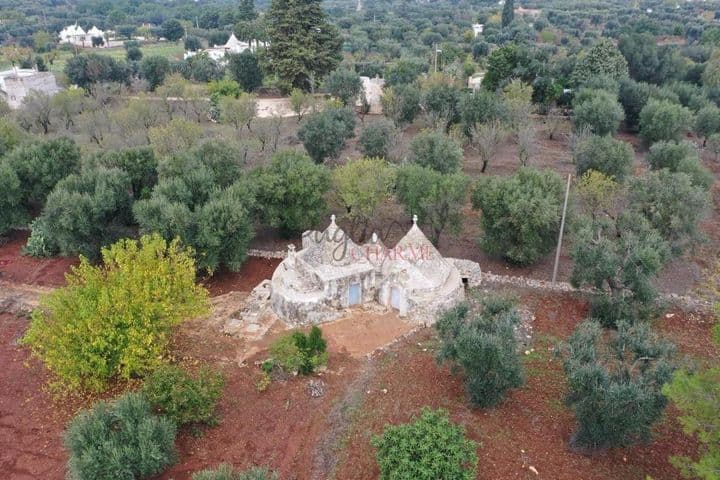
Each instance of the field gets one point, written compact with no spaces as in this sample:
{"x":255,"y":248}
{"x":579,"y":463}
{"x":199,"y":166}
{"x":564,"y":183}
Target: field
{"x":328,"y":437}
{"x":172,"y":51}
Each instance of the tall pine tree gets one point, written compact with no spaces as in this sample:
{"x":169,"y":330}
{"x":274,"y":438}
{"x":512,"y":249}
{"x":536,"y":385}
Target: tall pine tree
{"x":508,"y":13}
{"x":303,"y":47}
{"x":246,"y":11}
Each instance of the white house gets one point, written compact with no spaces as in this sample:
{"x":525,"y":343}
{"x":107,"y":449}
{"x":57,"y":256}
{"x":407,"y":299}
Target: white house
{"x":475,"y":81}
{"x":16,"y":83}
{"x":478,"y":28}
{"x":373,"y":91}
{"x":218,"y":52}
{"x":331,"y":273}
{"x":75,"y":35}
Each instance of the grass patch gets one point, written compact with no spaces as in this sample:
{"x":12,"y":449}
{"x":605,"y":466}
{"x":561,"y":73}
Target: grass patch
{"x":173,"y":51}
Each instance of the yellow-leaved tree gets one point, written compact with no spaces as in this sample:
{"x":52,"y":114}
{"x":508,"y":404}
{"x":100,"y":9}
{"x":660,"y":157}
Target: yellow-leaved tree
{"x":115,"y":319}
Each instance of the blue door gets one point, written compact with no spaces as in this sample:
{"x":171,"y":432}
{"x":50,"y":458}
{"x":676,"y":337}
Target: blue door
{"x":395,"y":296}
{"x":354,"y":294}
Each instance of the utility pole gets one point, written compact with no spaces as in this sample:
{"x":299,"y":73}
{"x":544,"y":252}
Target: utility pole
{"x":562,"y":227}
{"x":435,"y":60}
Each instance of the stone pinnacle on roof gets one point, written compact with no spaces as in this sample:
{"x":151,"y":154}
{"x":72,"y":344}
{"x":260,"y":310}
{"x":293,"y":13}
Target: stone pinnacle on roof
{"x":415,"y":220}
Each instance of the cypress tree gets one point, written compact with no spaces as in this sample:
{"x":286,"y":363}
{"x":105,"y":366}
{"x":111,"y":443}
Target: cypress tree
{"x":508,"y":13}
{"x":303,"y":47}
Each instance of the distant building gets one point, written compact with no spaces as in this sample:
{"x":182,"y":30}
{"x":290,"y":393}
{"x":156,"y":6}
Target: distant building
{"x":17,"y":83}
{"x":218,"y":52}
{"x":528,"y":12}
{"x":475,"y":81}
{"x":373,"y":90}
{"x":75,"y":35}
{"x":477,"y":28}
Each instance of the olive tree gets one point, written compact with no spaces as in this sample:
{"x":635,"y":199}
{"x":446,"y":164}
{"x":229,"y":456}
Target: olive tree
{"x":434,"y":149}
{"x":663,"y":120}
{"x":362,"y":185}
{"x":238,"y":112}
{"x":481,"y":345}
{"x":680,"y":157}
{"x":376,"y":138}
{"x":40,"y":165}
{"x":672,"y":205}
{"x":291,"y":191}
{"x":401,"y":103}
{"x":707,"y":122}
{"x":486,"y":140}
{"x":324,"y":133}
{"x":345,"y":85}
{"x":604,"y":154}
{"x":615,"y":383}
{"x":520,"y":213}
{"x":436,"y":198}
{"x":11,"y":208}
{"x":620,"y":255}
{"x":84,"y":213}
{"x":600,"y":113}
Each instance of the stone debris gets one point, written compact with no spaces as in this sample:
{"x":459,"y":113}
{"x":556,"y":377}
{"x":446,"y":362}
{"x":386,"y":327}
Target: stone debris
{"x":524,"y":330}
{"x":316,"y":388}
{"x":20,"y":299}
{"x":251,"y":321}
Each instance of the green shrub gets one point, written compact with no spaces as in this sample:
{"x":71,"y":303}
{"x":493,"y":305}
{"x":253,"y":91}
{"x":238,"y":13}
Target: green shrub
{"x":324,"y":133}
{"x":436,"y":150}
{"x":615,"y":383}
{"x":376,"y":137}
{"x":300,"y":353}
{"x":116,"y":319}
{"x":600,"y":113}
{"x":481,"y":346}
{"x":520,"y":214}
{"x":604,"y":154}
{"x":86,"y":212}
{"x":291,"y":191}
{"x":226,"y":472}
{"x":175,"y":393}
{"x":663,"y":120}
{"x":122,"y":440}
{"x":429,"y":448}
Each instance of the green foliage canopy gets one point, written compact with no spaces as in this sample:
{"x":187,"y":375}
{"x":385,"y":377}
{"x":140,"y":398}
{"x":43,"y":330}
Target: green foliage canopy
{"x":116,"y":319}
{"x":482,"y":347}
{"x":429,"y":448}
{"x":520,"y":213}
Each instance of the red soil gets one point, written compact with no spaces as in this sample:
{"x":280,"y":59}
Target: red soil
{"x":252,"y":272}
{"x":19,"y":268}
{"x":301,"y":437}
{"x":30,"y":425}
{"x":531,"y":428}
